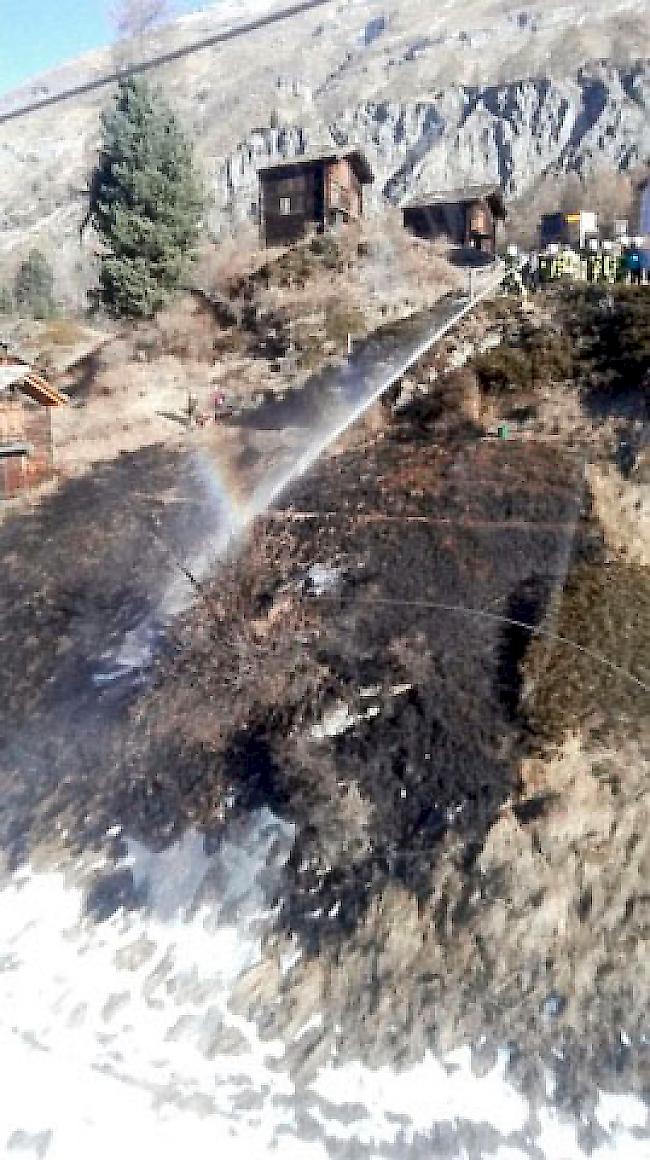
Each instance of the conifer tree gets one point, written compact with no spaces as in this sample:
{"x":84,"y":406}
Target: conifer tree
{"x":34,"y":285}
{"x":6,"y":300}
{"x":145,"y":202}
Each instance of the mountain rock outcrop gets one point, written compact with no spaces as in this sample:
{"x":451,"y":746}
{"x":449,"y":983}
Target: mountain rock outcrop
{"x":514,"y":134}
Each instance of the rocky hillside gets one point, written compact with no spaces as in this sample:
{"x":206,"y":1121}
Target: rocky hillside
{"x":517,"y":133}
{"x":437,"y":94}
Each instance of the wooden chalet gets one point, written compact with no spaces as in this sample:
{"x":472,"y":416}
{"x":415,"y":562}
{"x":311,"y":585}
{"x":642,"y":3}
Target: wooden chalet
{"x":26,"y":401}
{"x":311,"y":194}
{"x":468,"y":217}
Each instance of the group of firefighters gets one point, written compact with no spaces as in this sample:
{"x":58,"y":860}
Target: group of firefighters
{"x":557,"y":263}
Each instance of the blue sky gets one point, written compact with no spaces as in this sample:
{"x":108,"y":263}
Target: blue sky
{"x":36,"y":35}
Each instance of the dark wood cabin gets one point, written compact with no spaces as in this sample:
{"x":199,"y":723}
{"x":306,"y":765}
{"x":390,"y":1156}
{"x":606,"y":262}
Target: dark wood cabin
{"x":311,"y":194}
{"x":468,"y":218}
{"x":26,"y":452}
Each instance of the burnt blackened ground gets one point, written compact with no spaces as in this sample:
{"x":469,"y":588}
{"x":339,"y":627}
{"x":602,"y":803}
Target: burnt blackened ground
{"x":243,"y":678}
{"x":440,"y":757}
{"x":424,"y":906}
{"x":81,"y":571}
{"x":84,"y":567}
{"x":424,"y":542}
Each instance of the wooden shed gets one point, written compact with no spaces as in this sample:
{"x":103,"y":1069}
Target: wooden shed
{"x":26,"y":453}
{"x":465,"y":217}
{"x":311,"y":193}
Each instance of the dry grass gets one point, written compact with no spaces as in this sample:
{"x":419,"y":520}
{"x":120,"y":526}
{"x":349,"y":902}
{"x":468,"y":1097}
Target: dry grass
{"x":343,"y":321}
{"x":229,"y":259}
{"x":402,"y":272}
{"x":605,"y":611}
{"x":623,"y":509}
{"x":254,"y":307}
{"x":187,"y":330}
{"x":62,"y":332}
{"x":131,"y":405}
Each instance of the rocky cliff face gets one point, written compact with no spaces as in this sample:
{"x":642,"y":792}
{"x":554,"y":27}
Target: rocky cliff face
{"x":514,"y":134}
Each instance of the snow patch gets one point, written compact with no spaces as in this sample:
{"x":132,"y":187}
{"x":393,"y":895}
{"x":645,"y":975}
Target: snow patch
{"x":427,"y":1094}
{"x":125,"y":1037}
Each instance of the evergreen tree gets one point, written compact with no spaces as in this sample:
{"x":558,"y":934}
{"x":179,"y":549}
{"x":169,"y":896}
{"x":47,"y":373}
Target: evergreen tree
{"x":6,"y":300}
{"x":34,"y":285}
{"x":145,"y":202}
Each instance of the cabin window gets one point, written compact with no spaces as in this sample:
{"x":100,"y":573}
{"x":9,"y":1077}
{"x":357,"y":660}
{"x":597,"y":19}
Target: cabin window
{"x":285,"y":206}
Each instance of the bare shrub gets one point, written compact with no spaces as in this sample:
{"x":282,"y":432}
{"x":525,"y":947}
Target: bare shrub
{"x":62,"y":332}
{"x":186,"y":330}
{"x":605,"y":611}
{"x":134,"y":18}
{"x":342,"y":321}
